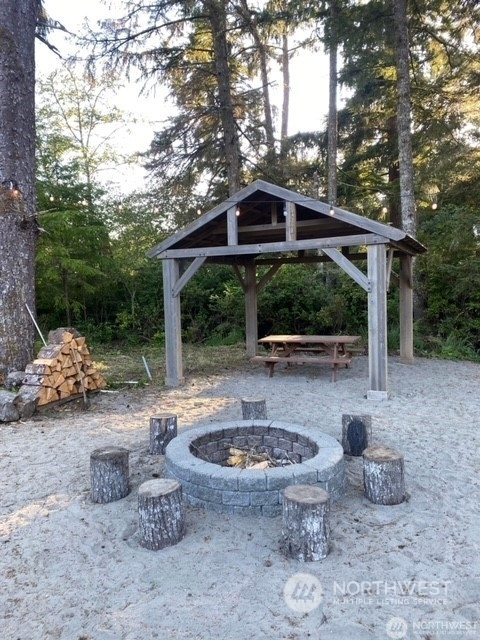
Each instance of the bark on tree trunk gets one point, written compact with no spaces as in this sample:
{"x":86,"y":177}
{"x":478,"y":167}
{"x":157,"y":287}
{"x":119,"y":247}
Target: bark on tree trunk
{"x":163,"y":428}
{"x":286,"y":91}
{"x":251,"y":20}
{"x":160,"y":513}
{"x":254,"y":408}
{"x":305,"y":523}
{"x":109,"y":474}
{"x":332,"y":107}
{"x":383,"y":475}
{"x":18,"y":228}
{"x":218,"y":22}
{"x":404,"y":118}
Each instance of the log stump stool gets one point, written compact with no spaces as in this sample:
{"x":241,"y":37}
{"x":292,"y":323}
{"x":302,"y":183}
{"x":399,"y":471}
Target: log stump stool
{"x":163,"y":428}
{"x":383,"y":475}
{"x":109,"y":474}
{"x":356,"y":434}
{"x":160,"y":513}
{"x":254,"y":409}
{"x":305,"y":522}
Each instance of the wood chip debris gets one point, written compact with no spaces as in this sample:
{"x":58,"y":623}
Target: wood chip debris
{"x":251,"y":458}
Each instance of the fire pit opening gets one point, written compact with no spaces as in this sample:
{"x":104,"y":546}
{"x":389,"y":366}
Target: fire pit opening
{"x":199,"y":459}
{"x":253,"y":447}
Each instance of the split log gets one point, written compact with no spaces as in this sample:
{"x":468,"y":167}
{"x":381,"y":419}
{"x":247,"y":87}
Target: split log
{"x":109,"y":474}
{"x":254,"y":408}
{"x":26,"y":402}
{"x":8,"y":410}
{"x":38,"y":368}
{"x":62,"y":335}
{"x":161,"y":513}
{"x":383,"y":475}
{"x":305,"y":523}
{"x":14,"y":379}
{"x":356,"y":434}
{"x":163,"y":428}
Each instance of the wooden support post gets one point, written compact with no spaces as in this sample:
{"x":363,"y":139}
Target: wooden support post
{"x":173,"y":325}
{"x":254,"y":408}
{"x":305,"y":522}
{"x":232,"y":226}
{"x":109,"y":474}
{"x":383,"y":475}
{"x":290,"y":221}
{"x":161,"y":513}
{"x":163,"y":428}
{"x":377,"y":323}
{"x":251,"y":321}
{"x":406,"y":309}
{"x":356,"y":434}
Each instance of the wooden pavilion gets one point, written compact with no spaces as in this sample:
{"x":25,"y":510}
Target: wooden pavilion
{"x":264,"y":224}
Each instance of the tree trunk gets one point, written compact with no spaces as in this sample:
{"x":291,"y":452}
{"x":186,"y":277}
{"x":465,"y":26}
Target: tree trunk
{"x":404,"y":118}
{"x":332,"y":107}
{"x":218,"y":22}
{"x":252,"y":23}
{"x":286,"y":89}
{"x":18,"y":228}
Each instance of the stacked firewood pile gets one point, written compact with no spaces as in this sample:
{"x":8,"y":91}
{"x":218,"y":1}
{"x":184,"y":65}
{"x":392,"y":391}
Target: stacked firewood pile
{"x":253,"y":459}
{"x":62,"y":370}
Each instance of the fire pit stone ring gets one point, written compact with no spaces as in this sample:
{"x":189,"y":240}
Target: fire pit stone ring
{"x":197,"y":458}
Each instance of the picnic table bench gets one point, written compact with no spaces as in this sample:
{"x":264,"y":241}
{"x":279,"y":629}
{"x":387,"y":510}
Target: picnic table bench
{"x":308,"y":349}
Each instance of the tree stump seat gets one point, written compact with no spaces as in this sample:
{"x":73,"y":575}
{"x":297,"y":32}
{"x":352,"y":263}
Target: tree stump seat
{"x":383,"y":475}
{"x":356,"y":433}
{"x":305,"y":523}
{"x":109,"y":474}
{"x":161,"y":513}
{"x":254,"y":408}
{"x":163,"y":428}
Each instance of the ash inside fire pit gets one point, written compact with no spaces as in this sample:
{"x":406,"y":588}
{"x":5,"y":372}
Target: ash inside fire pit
{"x":198,"y":458}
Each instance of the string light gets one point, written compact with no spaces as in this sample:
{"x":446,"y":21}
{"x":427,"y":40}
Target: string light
{"x":434,"y":206}
{"x":332,"y":210}
{"x":237,"y":212}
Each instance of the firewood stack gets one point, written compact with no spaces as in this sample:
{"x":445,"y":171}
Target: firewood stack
{"x":63,"y":369}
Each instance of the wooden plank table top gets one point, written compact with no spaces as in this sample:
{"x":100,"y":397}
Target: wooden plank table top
{"x":310,"y":339}
{"x":308,"y":349}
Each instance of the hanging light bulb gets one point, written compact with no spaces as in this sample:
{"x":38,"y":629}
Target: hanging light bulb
{"x":434,"y":206}
{"x":332,"y":210}
{"x":237,"y":212}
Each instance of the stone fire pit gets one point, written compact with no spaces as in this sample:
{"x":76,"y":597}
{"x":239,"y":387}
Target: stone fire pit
{"x":197,"y":459}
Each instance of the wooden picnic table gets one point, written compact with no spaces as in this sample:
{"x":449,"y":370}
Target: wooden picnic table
{"x":305,"y":349}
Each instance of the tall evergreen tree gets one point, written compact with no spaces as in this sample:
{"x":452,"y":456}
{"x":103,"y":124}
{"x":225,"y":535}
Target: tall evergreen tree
{"x":18,"y":228}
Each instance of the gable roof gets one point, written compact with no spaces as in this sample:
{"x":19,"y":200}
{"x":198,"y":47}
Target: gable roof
{"x":261,"y":227}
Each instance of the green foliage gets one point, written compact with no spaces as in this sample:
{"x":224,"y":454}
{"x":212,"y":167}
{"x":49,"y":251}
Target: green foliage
{"x":450,"y":277}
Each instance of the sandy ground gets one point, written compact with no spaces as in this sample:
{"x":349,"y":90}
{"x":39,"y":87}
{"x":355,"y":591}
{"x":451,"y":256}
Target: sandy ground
{"x":75,"y":570}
